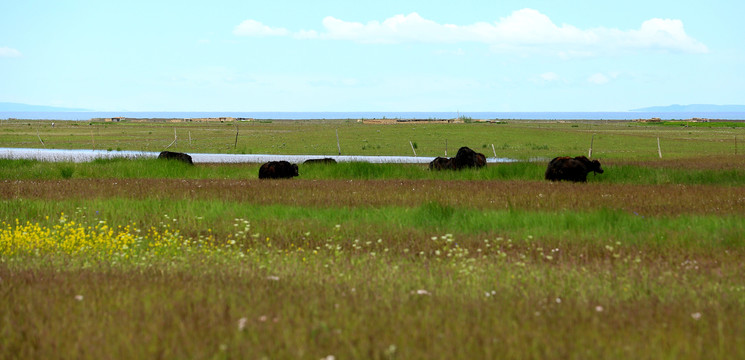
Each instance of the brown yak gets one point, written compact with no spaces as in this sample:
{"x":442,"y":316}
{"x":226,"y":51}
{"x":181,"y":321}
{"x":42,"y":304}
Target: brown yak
{"x":442,"y":163}
{"x":170,"y":155}
{"x":465,"y":158}
{"x":277,"y":170}
{"x":572,"y":169}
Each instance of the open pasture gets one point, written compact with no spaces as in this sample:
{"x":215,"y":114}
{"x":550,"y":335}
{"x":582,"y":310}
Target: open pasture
{"x":518,"y":139}
{"x":145,"y":259}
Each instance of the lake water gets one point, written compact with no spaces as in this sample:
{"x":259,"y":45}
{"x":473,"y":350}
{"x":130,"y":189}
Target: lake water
{"x":57,"y":155}
{"x":623,"y":115}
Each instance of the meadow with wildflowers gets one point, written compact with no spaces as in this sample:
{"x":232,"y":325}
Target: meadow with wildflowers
{"x":644,"y":261}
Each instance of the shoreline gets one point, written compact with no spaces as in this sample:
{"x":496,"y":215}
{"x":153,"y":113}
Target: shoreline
{"x":372,"y":121}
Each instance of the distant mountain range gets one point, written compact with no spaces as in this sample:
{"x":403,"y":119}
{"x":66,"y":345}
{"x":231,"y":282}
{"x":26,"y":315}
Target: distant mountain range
{"x":694,"y":108}
{"x":7,"y":106}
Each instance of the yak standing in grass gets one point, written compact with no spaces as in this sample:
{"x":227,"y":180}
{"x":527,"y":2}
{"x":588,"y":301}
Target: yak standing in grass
{"x":278,"y":170}
{"x":480,"y":160}
{"x":170,"y":155}
{"x":442,"y":163}
{"x":572,"y":169}
{"x":467,"y":158}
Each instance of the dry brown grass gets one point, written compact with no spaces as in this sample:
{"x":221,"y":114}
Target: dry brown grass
{"x":485,"y":195}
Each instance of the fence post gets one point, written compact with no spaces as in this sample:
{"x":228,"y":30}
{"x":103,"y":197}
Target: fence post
{"x":338,"y":146}
{"x":493,"y":150}
{"x":174,"y":139}
{"x":659,"y":149}
{"x":592,"y":141}
{"x":235,"y":146}
{"x":412,"y":147}
{"x":37,"y":135}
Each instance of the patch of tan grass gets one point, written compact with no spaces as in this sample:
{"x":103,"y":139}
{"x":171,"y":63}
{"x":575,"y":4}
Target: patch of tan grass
{"x":651,"y":200}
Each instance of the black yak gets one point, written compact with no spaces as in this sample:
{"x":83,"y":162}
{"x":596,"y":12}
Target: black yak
{"x":442,"y":163}
{"x":467,"y":158}
{"x":170,"y":155}
{"x":278,"y":170}
{"x":572,"y":169}
{"x":480,"y":160}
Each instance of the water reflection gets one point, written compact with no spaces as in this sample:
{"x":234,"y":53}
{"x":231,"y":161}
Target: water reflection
{"x":58,"y":155}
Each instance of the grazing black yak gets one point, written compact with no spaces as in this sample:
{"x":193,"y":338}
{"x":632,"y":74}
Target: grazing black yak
{"x":170,"y":155}
{"x":467,"y":158}
{"x":278,"y":170}
{"x":442,"y":163}
{"x":480,"y":160}
{"x":572,"y":169}
{"x":320,"y":161}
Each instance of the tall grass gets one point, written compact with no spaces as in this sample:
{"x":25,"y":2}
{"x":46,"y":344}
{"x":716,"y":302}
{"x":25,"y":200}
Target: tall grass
{"x":361,"y":301}
{"x":575,"y":228}
{"x":153,"y":168}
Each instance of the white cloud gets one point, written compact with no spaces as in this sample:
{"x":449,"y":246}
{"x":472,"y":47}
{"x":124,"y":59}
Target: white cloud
{"x":601,"y":78}
{"x":397,"y":29}
{"x":9,"y":52}
{"x":523,"y":30}
{"x":255,"y":28}
{"x":306,"y":34}
{"x":665,"y":34}
{"x":598,"y":79}
{"x":549,"y":76}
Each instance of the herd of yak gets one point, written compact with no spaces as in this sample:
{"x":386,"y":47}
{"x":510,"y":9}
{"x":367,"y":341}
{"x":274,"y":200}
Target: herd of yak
{"x":560,"y":168}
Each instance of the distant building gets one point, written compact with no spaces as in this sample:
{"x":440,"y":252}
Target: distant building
{"x":412,"y":121}
{"x":114,"y":119}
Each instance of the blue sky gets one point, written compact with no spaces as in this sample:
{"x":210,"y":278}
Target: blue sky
{"x":371,"y":55}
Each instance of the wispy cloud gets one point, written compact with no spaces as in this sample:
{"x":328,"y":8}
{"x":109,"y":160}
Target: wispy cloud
{"x":9,"y":52}
{"x":601,"y":78}
{"x":549,"y":76}
{"x":526,"y":29}
{"x":255,"y":28}
{"x":598,"y":79}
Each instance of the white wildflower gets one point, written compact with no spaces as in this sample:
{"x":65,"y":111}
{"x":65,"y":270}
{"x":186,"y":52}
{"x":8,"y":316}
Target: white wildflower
{"x":242,"y":323}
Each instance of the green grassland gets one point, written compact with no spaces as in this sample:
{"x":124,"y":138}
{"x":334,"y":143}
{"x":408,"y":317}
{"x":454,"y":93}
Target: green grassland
{"x":709,"y":171}
{"x":521,"y":140}
{"x":155,"y":259}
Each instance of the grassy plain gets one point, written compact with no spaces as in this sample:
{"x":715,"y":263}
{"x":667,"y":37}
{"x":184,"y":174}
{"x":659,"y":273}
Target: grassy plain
{"x":521,"y":140}
{"x":141,"y":259}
